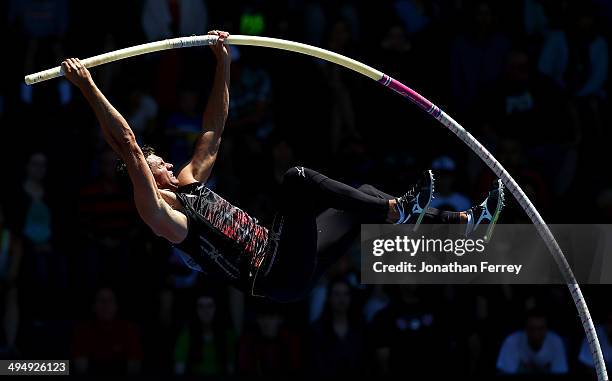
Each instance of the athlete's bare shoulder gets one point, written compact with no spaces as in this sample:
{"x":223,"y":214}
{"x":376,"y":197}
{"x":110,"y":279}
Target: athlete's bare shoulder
{"x":171,"y":199}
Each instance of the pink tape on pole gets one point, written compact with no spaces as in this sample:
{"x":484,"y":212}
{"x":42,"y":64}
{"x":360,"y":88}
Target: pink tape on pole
{"x":412,"y":95}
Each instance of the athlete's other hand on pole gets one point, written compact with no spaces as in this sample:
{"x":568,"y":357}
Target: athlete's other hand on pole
{"x":76,"y":72}
{"x":221,"y":51}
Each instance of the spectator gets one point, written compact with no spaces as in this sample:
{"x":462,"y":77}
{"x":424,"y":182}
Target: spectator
{"x":271,"y":349}
{"x":251,"y":97}
{"x":404,"y":335}
{"x":397,"y":53}
{"x":528,"y":101}
{"x":534,"y":350}
{"x":206,"y":347}
{"x":181,"y":277}
{"x":377,"y":301}
{"x":107,"y":219}
{"x":38,"y":221}
{"x":172,"y":18}
{"x":577,"y":58}
{"x":343,"y":124}
{"x":338,"y":342}
{"x":141,"y":112}
{"x":250,"y":123}
{"x":43,"y":24}
{"x":446,"y":197}
{"x":511,"y":153}
{"x":10,"y":258}
{"x":522,"y":104}
{"x":183,"y":128}
{"x":604,"y":334}
{"x":477,"y":55}
{"x":416,"y":15}
{"x":107,"y":345}
{"x":166,"y":19}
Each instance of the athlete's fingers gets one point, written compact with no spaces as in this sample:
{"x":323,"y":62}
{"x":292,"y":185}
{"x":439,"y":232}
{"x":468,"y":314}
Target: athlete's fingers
{"x":65,"y":67}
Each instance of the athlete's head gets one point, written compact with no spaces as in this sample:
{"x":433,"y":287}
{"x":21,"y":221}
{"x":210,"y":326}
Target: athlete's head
{"x":162,"y":171}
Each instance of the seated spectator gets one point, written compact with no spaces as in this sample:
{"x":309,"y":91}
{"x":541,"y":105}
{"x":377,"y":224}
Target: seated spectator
{"x":183,"y":127}
{"x":528,"y":102}
{"x":604,"y":334}
{"x":510,"y":152}
{"x":270,"y":349}
{"x":338,"y":342}
{"x":576,"y":58}
{"x":251,"y":97}
{"x":38,"y":221}
{"x":404,"y":334}
{"x":478,"y":55}
{"x":106,"y":345}
{"x":416,"y":15}
{"x":522,"y":105}
{"x":206,"y":347}
{"x":141,"y":112}
{"x":107,"y":219}
{"x":43,"y":24}
{"x":446,"y":197}
{"x":533,"y":350}
{"x":166,"y":19}
{"x":10,"y":258}
{"x":376,"y":301}
{"x":162,"y":19}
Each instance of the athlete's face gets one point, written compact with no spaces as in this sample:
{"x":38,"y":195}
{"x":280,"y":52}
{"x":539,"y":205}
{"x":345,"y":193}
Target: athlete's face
{"x":162,"y":172}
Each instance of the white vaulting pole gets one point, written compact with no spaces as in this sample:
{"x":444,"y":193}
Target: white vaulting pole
{"x":415,"y":98}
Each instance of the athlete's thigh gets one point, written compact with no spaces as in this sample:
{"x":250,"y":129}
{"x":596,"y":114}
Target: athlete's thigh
{"x":295,"y":259}
{"x":333,"y":225}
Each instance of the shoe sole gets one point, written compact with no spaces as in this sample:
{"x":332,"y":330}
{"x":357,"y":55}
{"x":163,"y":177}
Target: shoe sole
{"x":498,"y":209}
{"x":431,"y":192}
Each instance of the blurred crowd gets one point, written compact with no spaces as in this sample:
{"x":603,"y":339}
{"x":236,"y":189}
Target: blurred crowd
{"x":82,"y":278}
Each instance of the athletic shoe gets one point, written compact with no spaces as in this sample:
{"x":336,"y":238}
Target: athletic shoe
{"x":412,"y":205}
{"x":487,"y":212}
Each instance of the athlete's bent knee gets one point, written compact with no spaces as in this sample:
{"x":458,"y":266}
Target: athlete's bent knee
{"x":294,"y":174}
{"x":367,"y":188}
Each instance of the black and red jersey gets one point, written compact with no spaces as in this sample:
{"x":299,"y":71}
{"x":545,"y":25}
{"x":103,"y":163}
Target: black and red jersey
{"x":222,"y":241}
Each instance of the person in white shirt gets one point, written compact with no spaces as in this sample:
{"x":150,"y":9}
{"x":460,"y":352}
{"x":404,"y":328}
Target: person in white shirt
{"x":535,"y":349}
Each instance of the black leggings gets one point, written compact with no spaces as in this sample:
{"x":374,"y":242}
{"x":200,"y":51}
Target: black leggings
{"x":320,"y":219}
{"x":310,"y":241}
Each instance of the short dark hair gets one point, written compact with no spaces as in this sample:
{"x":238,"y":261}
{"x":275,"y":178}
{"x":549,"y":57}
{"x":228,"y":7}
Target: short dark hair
{"x":122,"y":167}
{"x":536,"y":312}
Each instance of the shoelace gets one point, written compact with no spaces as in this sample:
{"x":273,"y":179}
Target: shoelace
{"x":410,"y":194}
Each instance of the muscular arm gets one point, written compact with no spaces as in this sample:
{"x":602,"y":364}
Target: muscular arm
{"x":215,"y":115}
{"x":155,"y":212}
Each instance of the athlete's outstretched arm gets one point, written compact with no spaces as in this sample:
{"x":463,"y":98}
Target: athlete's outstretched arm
{"x":215,"y":115}
{"x":156,"y":213}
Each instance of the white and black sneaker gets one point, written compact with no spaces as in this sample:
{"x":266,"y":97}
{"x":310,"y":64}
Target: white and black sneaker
{"x":412,"y":205}
{"x":487,"y":213}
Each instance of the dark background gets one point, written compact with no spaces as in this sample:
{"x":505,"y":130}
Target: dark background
{"x":82,"y":278}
